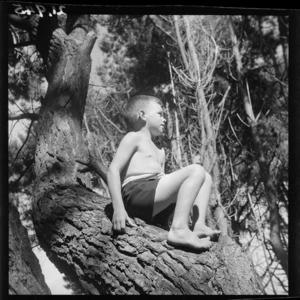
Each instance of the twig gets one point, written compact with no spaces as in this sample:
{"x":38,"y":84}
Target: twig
{"x":109,"y":121}
{"x":234,"y":132}
{"x":185,"y":78}
{"x":15,"y":103}
{"x":222,"y":108}
{"x":152,"y":17}
{"x":242,"y":120}
{"x":12,"y":128}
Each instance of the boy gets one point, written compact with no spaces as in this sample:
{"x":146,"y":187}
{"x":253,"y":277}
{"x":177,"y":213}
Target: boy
{"x":139,"y":187}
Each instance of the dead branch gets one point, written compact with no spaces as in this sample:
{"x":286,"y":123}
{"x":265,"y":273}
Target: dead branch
{"x":110,"y":121}
{"x":31,"y":116}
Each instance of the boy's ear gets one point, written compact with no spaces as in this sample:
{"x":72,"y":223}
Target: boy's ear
{"x":142,"y":115}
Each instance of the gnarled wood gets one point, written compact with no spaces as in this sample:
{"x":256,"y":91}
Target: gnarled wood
{"x":74,"y":226}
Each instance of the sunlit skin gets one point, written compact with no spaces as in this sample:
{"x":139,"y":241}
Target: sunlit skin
{"x":187,"y":187}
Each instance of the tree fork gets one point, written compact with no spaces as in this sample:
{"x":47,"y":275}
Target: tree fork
{"x":74,"y":225}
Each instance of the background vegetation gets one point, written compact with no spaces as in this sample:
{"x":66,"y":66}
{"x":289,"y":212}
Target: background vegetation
{"x":224,"y":82}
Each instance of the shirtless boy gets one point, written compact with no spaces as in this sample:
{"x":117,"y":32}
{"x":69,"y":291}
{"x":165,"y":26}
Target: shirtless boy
{"x":140,"y":188}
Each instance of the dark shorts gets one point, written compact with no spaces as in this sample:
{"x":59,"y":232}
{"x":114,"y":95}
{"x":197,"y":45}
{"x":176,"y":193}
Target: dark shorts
{"x":138,"y":196}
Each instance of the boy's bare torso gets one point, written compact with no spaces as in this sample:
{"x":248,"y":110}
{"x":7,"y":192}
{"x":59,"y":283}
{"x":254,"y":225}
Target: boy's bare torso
{"x":146,"y":159}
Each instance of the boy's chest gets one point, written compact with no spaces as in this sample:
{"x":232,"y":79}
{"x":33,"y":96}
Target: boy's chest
{"x":149,"y":150}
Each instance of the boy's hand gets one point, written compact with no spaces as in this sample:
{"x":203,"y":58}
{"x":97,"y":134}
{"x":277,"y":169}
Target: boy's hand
{"x":119,"y":220}
{"x":130,"y":222}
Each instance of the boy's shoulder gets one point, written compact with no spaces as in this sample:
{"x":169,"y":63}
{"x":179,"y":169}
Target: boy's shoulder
{"x":132,"y":134}
{"x":132,"y":137}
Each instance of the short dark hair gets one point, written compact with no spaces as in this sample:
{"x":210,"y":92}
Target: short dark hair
{"x":135,"y":104}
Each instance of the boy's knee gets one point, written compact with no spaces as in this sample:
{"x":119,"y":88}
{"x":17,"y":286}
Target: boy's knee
{"x":208,"y":178}
{"x":198,"y":171}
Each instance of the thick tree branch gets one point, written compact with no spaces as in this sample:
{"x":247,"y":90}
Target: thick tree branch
{"x":88,"y":43}
{"x":31,"y":116}
{"x":96,"y":166}
{"x":22,"y":23}
{"x":78,"y":233}
{"x":180,"y":43}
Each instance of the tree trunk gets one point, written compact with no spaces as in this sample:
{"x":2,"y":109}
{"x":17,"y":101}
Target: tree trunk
{"x":25,"y":273}
{"x":74,"y":226}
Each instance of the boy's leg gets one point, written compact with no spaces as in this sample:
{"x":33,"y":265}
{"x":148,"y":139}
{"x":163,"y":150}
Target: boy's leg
{"x":181,"y":187}
{"x":169,"y":185}
{"x":200,"y":210}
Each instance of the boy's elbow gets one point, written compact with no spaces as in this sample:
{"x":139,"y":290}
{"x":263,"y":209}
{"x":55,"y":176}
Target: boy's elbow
{"x":112,"y":171}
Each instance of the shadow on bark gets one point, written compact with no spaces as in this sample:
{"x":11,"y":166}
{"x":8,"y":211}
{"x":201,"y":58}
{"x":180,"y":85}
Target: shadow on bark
{"x":74,"y":226}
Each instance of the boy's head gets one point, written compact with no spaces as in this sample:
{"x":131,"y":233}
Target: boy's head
{"x":135,"y":105}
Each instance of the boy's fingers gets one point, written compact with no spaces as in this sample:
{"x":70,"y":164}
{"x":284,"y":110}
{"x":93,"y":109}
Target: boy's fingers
{"x":122,"y":225}
{"x":118,"y":226}
{"x":130,"y":222}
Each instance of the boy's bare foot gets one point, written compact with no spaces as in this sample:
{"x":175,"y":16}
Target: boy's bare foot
{"x":186,"y":238}
{"x":205,"y":231}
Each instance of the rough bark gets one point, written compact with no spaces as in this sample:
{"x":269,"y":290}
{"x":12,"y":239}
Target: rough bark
{"x":67,"y":61}
{"x":73,"y":223}
{"x":59,"y":143}
{"x":74,"y":226}
{"x":25,"y":274}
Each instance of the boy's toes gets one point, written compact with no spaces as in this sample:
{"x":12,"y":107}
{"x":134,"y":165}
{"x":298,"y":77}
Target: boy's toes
{"x":213,"y":234}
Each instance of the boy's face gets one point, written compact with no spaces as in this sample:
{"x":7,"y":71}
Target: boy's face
{"x":155,"y":120}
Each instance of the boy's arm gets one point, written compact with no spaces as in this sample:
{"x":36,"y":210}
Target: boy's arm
{"x":164,"y":161}
{"x":126,"y":148}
